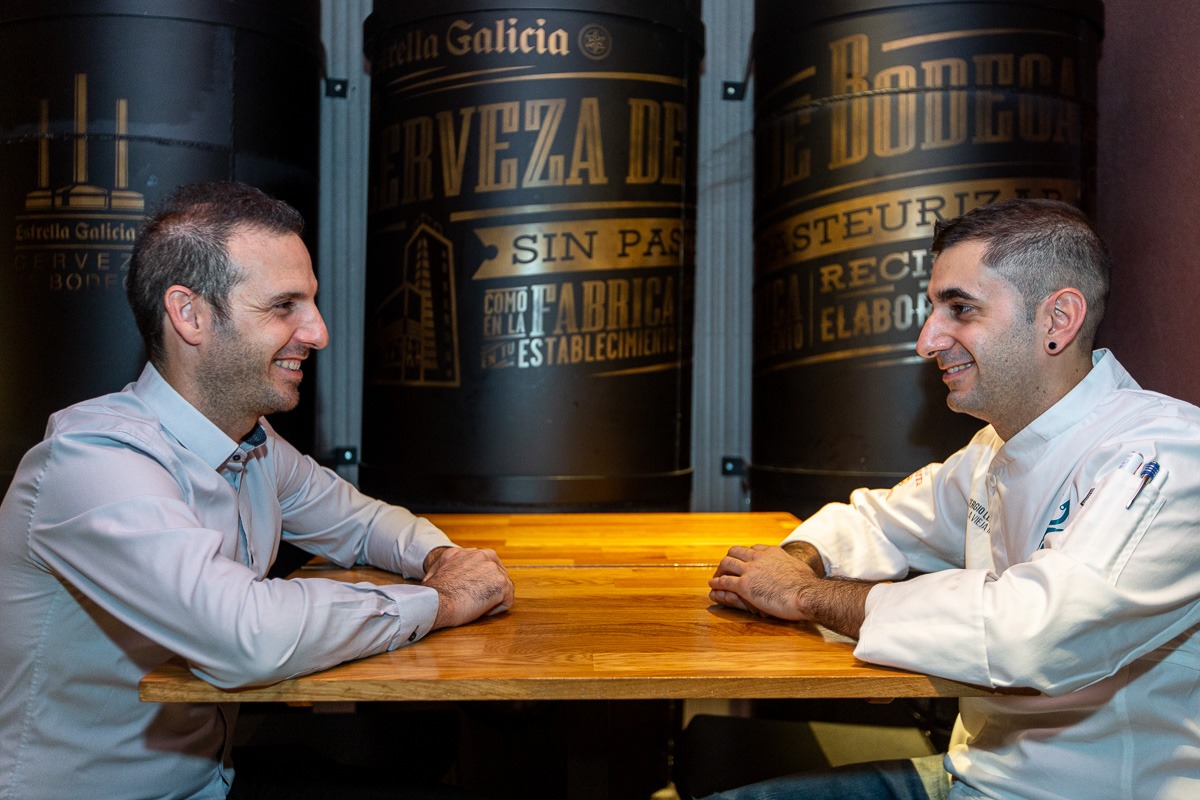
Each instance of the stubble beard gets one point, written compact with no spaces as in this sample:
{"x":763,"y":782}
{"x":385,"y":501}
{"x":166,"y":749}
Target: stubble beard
{"x":238,"y":386}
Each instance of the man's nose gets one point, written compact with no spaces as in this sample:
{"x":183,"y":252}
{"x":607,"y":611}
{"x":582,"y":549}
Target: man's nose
{"x":933,"y":338}
{"x":313,"y":333}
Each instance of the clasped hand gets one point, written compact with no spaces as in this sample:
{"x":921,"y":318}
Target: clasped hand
{"x":763,"y":579}
{"x":470,"y":583}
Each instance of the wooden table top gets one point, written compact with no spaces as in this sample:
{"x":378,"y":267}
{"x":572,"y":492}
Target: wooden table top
{"x":609,"y":632}
{"x":650,"y":539}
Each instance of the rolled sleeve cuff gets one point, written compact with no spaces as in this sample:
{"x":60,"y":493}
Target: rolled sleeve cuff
{"x":849,"y":547}
{"x":904,"y":629}
{"x":416,"y":609}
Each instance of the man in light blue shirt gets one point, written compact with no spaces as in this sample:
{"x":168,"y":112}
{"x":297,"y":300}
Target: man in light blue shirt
{"x":143,"y":525}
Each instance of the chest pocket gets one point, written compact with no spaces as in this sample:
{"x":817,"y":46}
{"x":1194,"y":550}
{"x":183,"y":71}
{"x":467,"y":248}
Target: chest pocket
{"x":1110,"y":525}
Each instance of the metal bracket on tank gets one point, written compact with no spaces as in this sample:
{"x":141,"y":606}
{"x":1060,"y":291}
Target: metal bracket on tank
{"x":340,"y":457}
{"x":336,"y":87}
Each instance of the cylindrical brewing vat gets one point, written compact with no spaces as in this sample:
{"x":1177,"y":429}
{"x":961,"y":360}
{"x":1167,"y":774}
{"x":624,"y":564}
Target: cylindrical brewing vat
{"x":109,"y":106}
{"x":873,"y":120}
{"x":529,"y":253}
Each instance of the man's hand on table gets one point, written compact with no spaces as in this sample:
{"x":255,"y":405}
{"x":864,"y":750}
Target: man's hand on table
{"x":470,"y":584}
{"x":773,"y":582}
{"x":761,"y":579}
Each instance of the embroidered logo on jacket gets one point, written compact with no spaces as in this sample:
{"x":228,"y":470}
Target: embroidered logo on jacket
{"x":1056,"y":524}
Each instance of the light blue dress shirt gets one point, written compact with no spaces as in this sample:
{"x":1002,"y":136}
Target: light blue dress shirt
{"x":137,"y":531}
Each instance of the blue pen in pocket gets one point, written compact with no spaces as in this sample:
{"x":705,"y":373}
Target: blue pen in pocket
{"x":1145,"y":476}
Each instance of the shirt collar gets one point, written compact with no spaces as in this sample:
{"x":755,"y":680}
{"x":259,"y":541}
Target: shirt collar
{"x":1106,"y":376}
{"x":190,"y":428}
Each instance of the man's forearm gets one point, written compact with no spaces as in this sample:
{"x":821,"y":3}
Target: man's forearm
{"x":839,"y":605}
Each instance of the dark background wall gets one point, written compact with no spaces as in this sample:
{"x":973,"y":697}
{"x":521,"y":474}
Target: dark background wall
{"x":1148,"y":186}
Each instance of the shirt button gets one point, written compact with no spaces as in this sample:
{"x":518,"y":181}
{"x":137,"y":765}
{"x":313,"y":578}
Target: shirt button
{"x":237,"y":457}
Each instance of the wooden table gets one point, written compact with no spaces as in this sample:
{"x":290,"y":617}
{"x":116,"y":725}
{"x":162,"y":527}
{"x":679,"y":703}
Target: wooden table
{"x":608,"y":607}
{"x":602,"y":540}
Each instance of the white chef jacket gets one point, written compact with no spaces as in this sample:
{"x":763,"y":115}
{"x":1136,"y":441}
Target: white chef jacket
{"x":1039,"y":576}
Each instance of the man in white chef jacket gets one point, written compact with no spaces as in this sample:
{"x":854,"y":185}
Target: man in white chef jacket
{"x":1058,"y":551}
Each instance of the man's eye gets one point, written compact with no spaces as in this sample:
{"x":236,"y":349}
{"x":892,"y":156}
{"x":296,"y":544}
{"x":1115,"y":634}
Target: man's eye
{"x":959,"y":309}
{"x":285,"y":306}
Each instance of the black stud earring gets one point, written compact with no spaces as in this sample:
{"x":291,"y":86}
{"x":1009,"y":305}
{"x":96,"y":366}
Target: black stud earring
{"x":1053,"y":345}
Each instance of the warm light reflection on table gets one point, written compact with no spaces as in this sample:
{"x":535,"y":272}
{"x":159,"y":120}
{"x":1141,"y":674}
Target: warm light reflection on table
{"x":601,"y":613}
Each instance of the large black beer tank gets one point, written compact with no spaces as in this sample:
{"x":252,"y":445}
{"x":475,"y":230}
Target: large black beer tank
{"x":874,"y":119}
{"x":530,"y":265}
{"x":107,"y":107}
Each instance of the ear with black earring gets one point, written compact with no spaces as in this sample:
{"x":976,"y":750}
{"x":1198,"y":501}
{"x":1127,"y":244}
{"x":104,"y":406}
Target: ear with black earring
{"x":1053,"y":345}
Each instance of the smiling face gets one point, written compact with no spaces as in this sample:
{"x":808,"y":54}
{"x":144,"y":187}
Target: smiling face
{"x":252,"y":363}
{"x":988,"y":350}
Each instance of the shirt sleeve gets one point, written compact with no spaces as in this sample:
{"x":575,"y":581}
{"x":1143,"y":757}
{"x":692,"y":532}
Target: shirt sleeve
{"x":1115,"y":585}
{"x":110,"y":520}
{"x":883,"y":534}
{"x":327,"y":516}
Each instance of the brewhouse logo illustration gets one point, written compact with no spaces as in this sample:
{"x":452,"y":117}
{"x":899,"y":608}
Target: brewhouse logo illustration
{"x":418,"y":322}
{"x":79,"y":236}
{"x":574,"y":197}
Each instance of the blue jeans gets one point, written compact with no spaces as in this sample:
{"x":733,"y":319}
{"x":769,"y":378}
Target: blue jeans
{"x":874,"y":780}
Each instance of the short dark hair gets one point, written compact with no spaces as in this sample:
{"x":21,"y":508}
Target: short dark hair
{"x":1039,"y":246}
{"x":186,"y":243}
